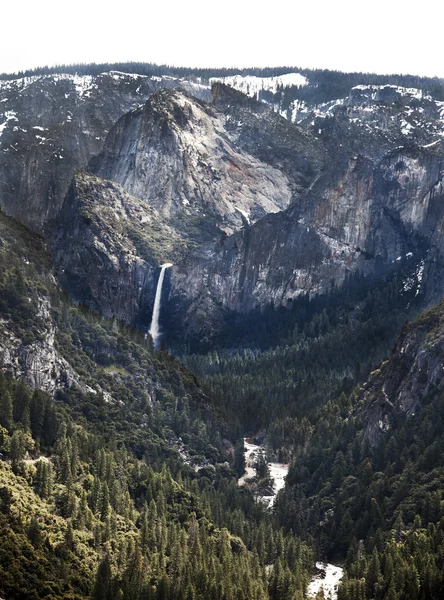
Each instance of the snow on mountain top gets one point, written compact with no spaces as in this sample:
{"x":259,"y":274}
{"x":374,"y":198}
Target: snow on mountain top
{"x":252,"y":85}
{"x":402,"y":91}
{"x":122,"y":75}
{"x":166,"y":78}
{"x":292,"y":79}
{"x":20,"y":83}
{"x":82,"y":83}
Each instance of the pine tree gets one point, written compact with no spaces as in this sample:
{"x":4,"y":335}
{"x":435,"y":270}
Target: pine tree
{"x":103,"y":584}
{"x":144,"y":532}
{"x":69,"y":539}
{"x":43,"y":479}
{"x":37,"y":413}
{"x":6,"y":412}
{"x":105,"y":505}
{"x":17,"y":450}
{"x":261,"y":465}
{"x":34,"y":533}
{"x":163,"y":589}
{"x":21,"y":404}
{"x":239,"y":457}
{"x":373,"y":574}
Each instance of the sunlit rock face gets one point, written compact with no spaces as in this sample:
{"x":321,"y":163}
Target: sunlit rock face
{"x":190,"y":161}
{"x":374,"y":203}
{"x":38,"y":363}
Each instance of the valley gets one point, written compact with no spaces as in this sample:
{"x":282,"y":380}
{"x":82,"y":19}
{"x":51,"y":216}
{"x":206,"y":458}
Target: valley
{"x":221,"y":334}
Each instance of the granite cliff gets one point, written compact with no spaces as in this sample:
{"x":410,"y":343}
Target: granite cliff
{"x":412,"y":376}
{"x":251,"y":208}
{"x":185,"y":165}
{"x":377,"y":200}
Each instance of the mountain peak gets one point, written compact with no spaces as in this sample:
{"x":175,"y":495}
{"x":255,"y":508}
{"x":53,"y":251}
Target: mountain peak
{"x":224,"y":95}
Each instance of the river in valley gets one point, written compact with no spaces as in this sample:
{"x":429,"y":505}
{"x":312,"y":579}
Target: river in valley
{"x":329,"y":575}
{"x":328,"y":578}
{"x":278,"y":471}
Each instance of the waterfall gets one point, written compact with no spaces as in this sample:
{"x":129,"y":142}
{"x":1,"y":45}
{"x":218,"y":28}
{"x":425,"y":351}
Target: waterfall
{"x":154,"y":327}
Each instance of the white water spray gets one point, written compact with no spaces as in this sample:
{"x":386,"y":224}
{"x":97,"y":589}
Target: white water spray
{"x":154,"y":330}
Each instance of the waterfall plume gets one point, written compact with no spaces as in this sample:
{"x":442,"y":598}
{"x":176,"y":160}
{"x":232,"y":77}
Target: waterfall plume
{"x":154,"y":330}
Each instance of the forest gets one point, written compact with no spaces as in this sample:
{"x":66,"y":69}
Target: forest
{"x":273,"y":368}
{"x":100,"y":501}
{"x":96,"y":498}
{"x":380,"y":505}
{"x":377,"y":508}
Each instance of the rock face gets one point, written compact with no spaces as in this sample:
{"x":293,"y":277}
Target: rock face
{"x":38,"y":363}
{"x":270,"y":138}
{"x":386,"y":113}
{"x":414,"y":371}
{"x":374,"y":203}
{"x":28,"y":348}
{"x":107,"y":245}
{"x":196,"y":162}
{"x":51,"y":125}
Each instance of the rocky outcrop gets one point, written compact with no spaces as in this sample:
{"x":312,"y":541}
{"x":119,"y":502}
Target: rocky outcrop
{"x":271,"y":138}
{"x":414,"y":373}
{"x":38,"y":363}
{"x":359,"y":216}
{"x":378,"y":199}
{"x":107,"y":245}
{"x":28,"y":328}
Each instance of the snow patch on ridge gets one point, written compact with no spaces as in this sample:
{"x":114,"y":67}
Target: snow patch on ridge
{"x":252,"y":85}
{"x":402,"y":91}
{"x":10,"y":115}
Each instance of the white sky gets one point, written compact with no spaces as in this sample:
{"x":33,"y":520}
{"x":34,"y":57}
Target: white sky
{"x":384,"y":36}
